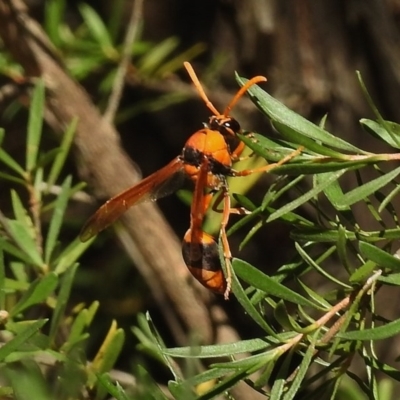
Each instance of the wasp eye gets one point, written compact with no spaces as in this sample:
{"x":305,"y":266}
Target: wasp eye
{"x":232,"y":125}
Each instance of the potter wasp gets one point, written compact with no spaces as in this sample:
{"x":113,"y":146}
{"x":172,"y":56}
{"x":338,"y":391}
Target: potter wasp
{"x":207,"y":160}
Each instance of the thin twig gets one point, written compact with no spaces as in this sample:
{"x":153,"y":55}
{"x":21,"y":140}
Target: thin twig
{"x":131,"y":35}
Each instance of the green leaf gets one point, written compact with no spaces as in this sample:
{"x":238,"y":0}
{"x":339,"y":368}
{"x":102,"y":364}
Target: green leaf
{"x":24,"y":240}
{"x":314,"y":295}
{"x":363,"y":191}
{"x":382,"y":332}
{"x":315,"y":234}
{"x":279,"y":113}
{"x":212,"y":374}
{"x":310,"y":261}
{"x":342,"y":249}
{"x":375,"y":110}
{"x":392,"y":279}
{"x":302,"y":369}
{"x":180,"y":391}
{"x":13,"y":285}
{"x":70,"y":255}
{"x":6,"y":392}
{"x":35,"y":125}
{"x":325,"y":181}
{"x":385,"y":368}
{"x":54,"y":20}
{"x":284,"y":319}
{"x":12,"y":178}
{"x":63,"y":152}
{"x":310,"y":144}
{"x":322,"y":167}
{"x":271,"y":287}
{"x":114,"y":389}
{"x":82,"y":68}
{"x":109,"y":350}
{"x":27,"y":380}
{"x":38,"y":353}
{"x":96,"y":26}
{"x":2,"y":279}
{"x":227,"y":349}
{"x":174,"y":64}
{"x":277,"y":389}
{"x":333,"y":192}
{"x":115,"y":19}
{"x":148,"y":382}
{"x":11,"y":163}
{"x":266,"y":148}
{"x":21,"y":214}
{"x":252,"y":362}
{"x":282,"y":371}
{"x":21,"y":338}
{"x":388,"y":199}
{"x":245,"y":302}
{"x":19,"y":271}
{"x":152,"y":342}
{"x":37,"y":293}
{"x":81,"y":322}
{"x":379,"y":256}
{"x":47,"y":158}
{"x":377,"y":130}
{"x":15,"y":251}
{"x":304,"y":163}
{"x":154,"y":58}
{"x":224,"y":384}
{"x":57,"y":219}
{"x":71,"y":347}
{"x":362,"y":273}
{"x":62,"y":300}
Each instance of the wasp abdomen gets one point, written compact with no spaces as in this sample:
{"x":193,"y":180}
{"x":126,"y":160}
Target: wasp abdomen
{"x":200,"y":253}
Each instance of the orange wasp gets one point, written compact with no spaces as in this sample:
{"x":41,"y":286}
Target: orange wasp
{"x":206,"y":159}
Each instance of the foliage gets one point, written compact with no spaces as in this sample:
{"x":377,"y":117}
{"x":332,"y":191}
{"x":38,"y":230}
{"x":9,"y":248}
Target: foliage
{"x":95,"y":44}
{"x":93,"y":50}
{"x":317,"y":333}
{"x":37,"y":272}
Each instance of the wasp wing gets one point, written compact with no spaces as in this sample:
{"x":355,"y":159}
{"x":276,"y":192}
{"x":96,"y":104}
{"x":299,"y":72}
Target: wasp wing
{"x":162,"y":183}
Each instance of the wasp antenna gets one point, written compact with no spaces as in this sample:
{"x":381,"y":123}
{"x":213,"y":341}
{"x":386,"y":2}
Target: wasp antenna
{"x":242,"y":90}
{"x":199,"y":88}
